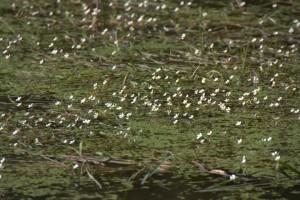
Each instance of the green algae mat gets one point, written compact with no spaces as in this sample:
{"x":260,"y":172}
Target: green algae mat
{"x":149,"y":99}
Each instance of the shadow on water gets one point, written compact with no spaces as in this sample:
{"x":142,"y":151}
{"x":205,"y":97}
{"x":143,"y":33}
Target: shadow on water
{"x":40,"y":179}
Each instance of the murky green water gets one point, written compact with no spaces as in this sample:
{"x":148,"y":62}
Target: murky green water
{"x":153,"y":100}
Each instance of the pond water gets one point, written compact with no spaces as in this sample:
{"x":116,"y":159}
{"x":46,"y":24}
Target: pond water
{"x":149,"y":100}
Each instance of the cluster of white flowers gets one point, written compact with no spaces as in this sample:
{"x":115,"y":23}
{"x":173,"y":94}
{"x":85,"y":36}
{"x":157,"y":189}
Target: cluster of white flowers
{"x":1,"y":165}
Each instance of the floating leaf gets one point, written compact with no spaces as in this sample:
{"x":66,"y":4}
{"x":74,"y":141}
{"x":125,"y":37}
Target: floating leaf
{"x":284,"y":166}
{"x":80,"y":148}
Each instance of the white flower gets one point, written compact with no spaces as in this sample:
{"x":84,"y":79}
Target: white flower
{"x":188,"y":105}
{"x":105,"y":30}
{"x":232,"y":177}
{"x":121,"y":115}
{"x":87,"y":121}
{"x":54,"y":51}
{"x":274,"y":153}
{"x":95,"y":85}
{"x":16,"y":131}
{"x":75,"y":166}
{"x":183,"y":36}
{"x":238,"y":123}
{"x":244,"y":160}
{"x":82,"y":100}
{"x":37,"y":142}
{"x":199,"y":136}
{"x":133,"y":100}
{"x":119,"y":108}
{"x":19,"y":98}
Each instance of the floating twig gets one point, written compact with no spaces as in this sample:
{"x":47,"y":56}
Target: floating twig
{"x":93,"y":179}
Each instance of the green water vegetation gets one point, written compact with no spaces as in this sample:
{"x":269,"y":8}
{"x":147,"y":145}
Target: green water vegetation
{"x":149,"y":99}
